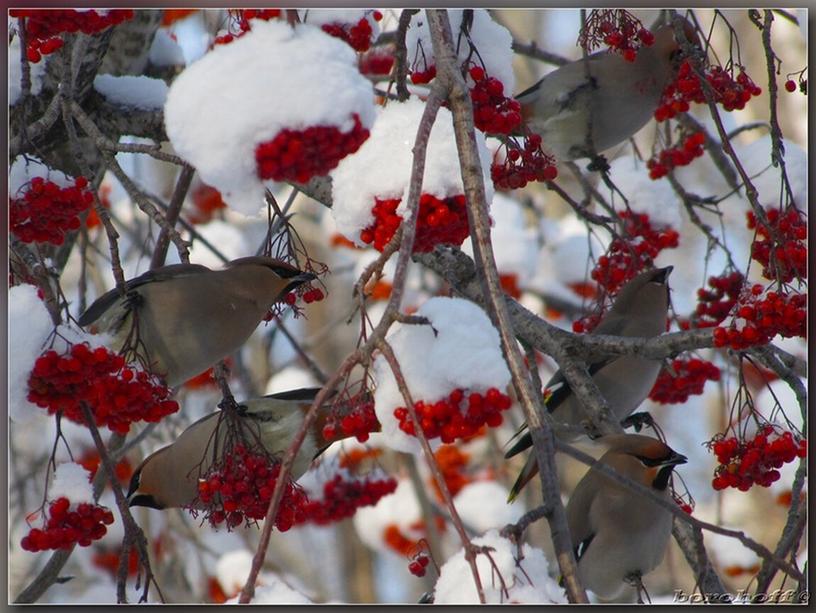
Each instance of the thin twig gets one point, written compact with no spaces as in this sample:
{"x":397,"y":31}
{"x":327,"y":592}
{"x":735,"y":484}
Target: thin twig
{"x":172,"y":215}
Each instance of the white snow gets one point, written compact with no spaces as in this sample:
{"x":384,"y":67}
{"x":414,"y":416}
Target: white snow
{"x":727,"y":551}
{"x":275,"y":592}
{"x":290,"y":378}
{"x":400,"y":508}
{"x":15,"y":73}
{"x":654,"y":198}
{"x":381,"y":168}
{"x":138,"y":92}
{"x":23,"y":169}
{"x":460,"y":350}
{"x":527,"y":581}
{"x":482,"y":505}
{"x":242,"y":94}
{"x":232,"y":570}
{"x":492,"y":41}
{"x":165,"y":51}
{"x":319,"y":17}
{"x":71,"y":481}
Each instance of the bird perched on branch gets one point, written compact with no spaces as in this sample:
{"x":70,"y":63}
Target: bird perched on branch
{"x":181,"y":319}
{"x":587,"y":106}
{"x":169,"y":477}
{"x":640,"y":310}
{"x":619,"y":535}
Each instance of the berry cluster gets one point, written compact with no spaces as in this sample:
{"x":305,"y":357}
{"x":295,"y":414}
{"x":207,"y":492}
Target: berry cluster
{"x":791,"y":86}
{"x":454,"y":416}
{"x":93,"y":220}
{"x":782,"y":250}
{"x":299,"y":155}
{"x":509,"y":283}
{"x":688,"y":379}
{"x":108,"y":560}
{"x":621,"y":31}
{"x":715,"y":304}
{"x":727,"y":92}
{"x":419,"y":565}
{"x":757,"y":320}
{"x":239,"y":487}
{"x":46,"y":211}
{"x":117,"y":395}
{"x":493,"y":112}
{"x":171,"y":16}
{"x":44,"y":26}
{"x":452,"y":464}
{"x":523,"y":164}
{"x":306,"y":292}
{"x":90,"y":460}
{"x":421,"y":77}
{"x":63,"y":527}
{"x":744,"y":463}
{"x":681,"y":155}
{"x":397,"y":541}
{"x":376,"y":62}
{"x":357,"y":35}
{"x":635,"y":250}
{"x":440,"y":221}
{"x":342,"y":498}
{"x":206,"y":202}
{"x":360,"y":422}
{"x":239,"y":23}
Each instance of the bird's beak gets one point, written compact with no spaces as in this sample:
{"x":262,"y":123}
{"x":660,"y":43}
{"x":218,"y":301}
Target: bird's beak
{"x":662,"y":275}
{"x":674,"y":459}
{"x":298,"y":280}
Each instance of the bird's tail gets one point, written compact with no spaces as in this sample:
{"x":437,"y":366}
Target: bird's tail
{"x":528,"y":472}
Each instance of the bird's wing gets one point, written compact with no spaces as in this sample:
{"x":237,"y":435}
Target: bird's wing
{"x":578,"y":514}
{"x":109,"y":299}
{"x":305,"y":394}
{"x":563,"y":88}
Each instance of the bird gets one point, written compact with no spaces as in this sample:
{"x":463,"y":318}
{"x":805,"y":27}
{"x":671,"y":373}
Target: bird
{"x":617,"y":534}
{"x":181,"y":319}
{"x":587,"y":106}
{"x":168,"y":477}
{"x":640,"y":310}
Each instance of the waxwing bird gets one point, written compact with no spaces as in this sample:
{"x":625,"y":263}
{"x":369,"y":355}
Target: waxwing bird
{"x":169,"y":477}
{"x":618,"y":534}
{"x":183,"y":318}
{"x":585,"y":107}
{"x":640,"y":310}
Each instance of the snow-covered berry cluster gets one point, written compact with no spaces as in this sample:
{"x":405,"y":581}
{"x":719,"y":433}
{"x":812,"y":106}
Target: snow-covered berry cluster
{"x":780,"y":246}
{"x":687,"y":379}
{"x":457,"y":415}
{"x":523,"y":164}
{"x":744,"y":463}
{"x":342,"y":498}
{"x":682,"y":155}
{"x":299,"y":155}
{"x":728,"y":92}
{"x":239,"y":23}
{"x":440,"y":221}
{"x":65,"y":527}
{"x":715,"y":304}
{"x":239,"y":487}
{"x":44,"y":26}
{"x":632,"y":252}
{"x":621,"y":31}
{"x":46,"y":211}
{"x":359,"y":422}
{"x":357,"y":35}
{"x":758,"y":319}
{"x":493,"y":112}
{"x":116,"y":394}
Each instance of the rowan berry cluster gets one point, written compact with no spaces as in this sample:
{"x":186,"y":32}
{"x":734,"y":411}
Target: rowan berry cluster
{"x":207,"y":201}
{"x":744,"y":463}
{"x":108,"y":560}
{"x":360,"y":422}
{"x":715,"y":304}
{"x":46,"y":212}
{"x":308,"y":294}
{"x":65,"y":527}
{"x":116,"y":394}
{"x":239,"y":23}
{"x":299,"y":155}
{"x":633,"y":251}
{"x":621,"y":31}
{"x":493,"y":112}
{"x":688,"y":379}
{"x":239,"y":487}
{"x":421,"y":77}
{"x":439,"y":221}
{"x":419,"y":565}
{"x":452,"y":464}
{"x":376,"y":62}
{"x":342,"y":498}
{"x":90,"y":460}
{"x":758,"y":320}
{"x":524,"y":164}
{"x":357,"y":35}
{"x":728,"y":92}
{"x":682,"y":155}
{"x":457,"y":415}
{"x":781,"y":246}
{"x":44,"y":26}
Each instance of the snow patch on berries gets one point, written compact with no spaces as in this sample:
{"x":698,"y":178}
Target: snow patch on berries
{"x":482,"y":505}
{"x":25,"y":168}
{"x":400,"y":508}
{"x":493,"y":41}
{"x":253,"y":82}
{"x":460,"y":350}
{"x":358,"y":27}
{"x":138,"y":92}
{"x":381,"y":168}
{"x":71,"y":481}
{"x":528,"y":580}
